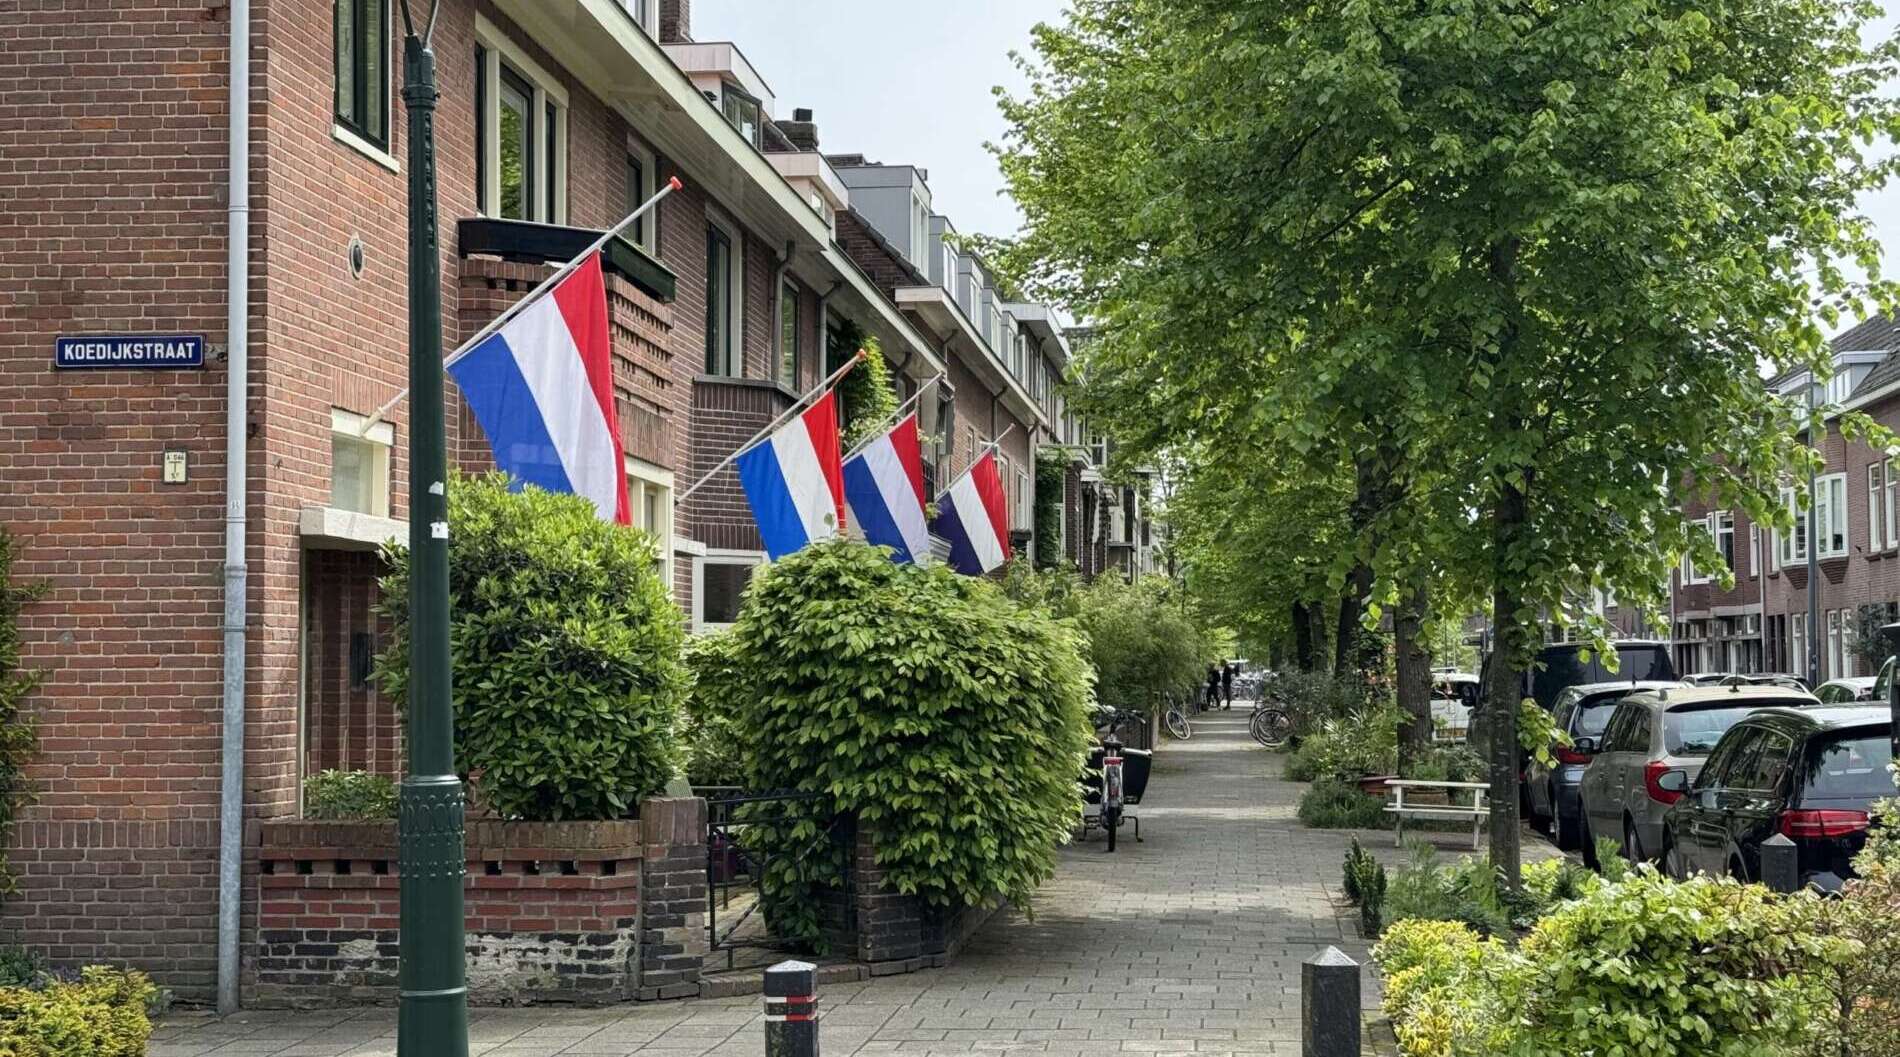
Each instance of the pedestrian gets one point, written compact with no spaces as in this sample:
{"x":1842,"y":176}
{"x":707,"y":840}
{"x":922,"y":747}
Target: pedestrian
{"x":1213,"y":689}
{"x":1227,"y":686}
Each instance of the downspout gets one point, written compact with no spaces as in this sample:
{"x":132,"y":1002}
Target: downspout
{"x":236,"y":573}
{"x":1761,"y":578}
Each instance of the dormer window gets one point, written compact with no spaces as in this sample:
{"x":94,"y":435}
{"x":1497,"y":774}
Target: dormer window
{"x":742,"y":112}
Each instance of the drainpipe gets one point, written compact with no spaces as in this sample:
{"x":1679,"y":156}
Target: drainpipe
{"x":236,"y":573}
{"x":1762,"y":543}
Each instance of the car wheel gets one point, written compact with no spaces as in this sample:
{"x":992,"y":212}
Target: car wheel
{"x":1569,"y":833}
{"x":1632,"y":844}
{"x":1672,"y":861}
{"x":1737,"y":870}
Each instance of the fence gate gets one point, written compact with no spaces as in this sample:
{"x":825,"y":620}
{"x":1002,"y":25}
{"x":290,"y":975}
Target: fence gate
{"x":735,"y":868}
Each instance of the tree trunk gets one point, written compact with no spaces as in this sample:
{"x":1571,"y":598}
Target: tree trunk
{"x":1511,"y":649}
{"x":1352,"y":605}
{"x":1305,"y":655}
{"x":1414,"y":673}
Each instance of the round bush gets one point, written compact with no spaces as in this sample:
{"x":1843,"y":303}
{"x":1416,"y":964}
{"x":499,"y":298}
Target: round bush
{"x":566,"y":651}
{"x":949,"y":720}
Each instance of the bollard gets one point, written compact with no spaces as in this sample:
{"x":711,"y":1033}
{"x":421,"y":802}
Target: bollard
{"x":1329,"y":1005}
{"x":791,"y":1010}
{"x":1780,"y":864}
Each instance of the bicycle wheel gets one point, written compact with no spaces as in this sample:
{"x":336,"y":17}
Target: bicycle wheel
{"x":1177,"y":724}
{"x":1270,"y":727}
{"x":1111,"y":821}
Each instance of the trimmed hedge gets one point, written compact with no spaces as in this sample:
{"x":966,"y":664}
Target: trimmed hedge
{"x":566,"y":651}
{"x":102,"y":1014}
{"x":948,"y":719}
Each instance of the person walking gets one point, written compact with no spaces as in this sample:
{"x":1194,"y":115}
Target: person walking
{"x":1213,"y":689}
{"x":1227,"y":686}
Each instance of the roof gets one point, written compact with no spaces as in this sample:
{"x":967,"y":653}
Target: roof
{"x":1625,"y":685}
{"x":1724,"y":695}
{"x":1859,"y":681}
{"x":1876,"y":333}
{"x":1833,"y":717}
{"x":1885,"y":373}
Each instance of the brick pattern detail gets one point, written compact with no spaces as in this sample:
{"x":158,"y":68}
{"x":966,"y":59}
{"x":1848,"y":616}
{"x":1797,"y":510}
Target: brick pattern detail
{"x":673,"y":941}
{"x":348,"y":725}
{"x":552,"y":910}
{"x":898,"y":933}
{"x":676,"y":21}
{"x":726,"y":413}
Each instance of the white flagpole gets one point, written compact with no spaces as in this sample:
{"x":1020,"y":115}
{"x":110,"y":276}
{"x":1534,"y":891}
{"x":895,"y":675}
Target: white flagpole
{"x":991,"y":446}
{"x":776,"y":423}
{"x":510,"y":312}
{"x":892,"y":418}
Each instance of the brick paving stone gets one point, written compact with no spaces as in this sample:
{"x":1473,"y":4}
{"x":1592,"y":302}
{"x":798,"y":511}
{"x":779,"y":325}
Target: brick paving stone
{"x":1187,"y":943}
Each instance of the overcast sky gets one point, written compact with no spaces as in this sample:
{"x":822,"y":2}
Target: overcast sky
{"x":909,"y":83}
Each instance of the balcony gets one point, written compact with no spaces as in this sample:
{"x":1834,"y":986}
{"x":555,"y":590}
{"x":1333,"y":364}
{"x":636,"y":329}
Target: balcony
{"x":531,"y":243}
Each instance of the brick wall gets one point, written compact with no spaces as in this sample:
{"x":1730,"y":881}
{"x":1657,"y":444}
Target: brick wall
{"x":349,"y":726}
{"x":726,"y":412}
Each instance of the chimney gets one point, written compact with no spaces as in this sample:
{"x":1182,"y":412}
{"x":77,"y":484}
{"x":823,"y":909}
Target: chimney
{"x":676,"y":21}
{"x":801,"y":130}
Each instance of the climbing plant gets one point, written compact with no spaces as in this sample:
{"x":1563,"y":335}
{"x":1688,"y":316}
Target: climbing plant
{"x":866,"y":400}
{"x":19,"y":735}
{"x":1050,"y":463}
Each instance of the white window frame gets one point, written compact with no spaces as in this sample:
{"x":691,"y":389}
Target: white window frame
{"x":1875,"y":536}
{"x":1834,"y":644}
{"x":735,"y":293}
{"x":716,"y":557}
{"x":381,"y":440}
{"x":643,"y":479}
{"x":496,"y":49}
{"x":1717,"y":521}
{"x":1754,"y":551}
{"x":649,"y":239}
{"x":1831,"y":516}
{"x":919,"y":231}
{"x":645,"y":15}
{"x":1892,"y":489}
{"x":1798,"y":644}
{"x":1791,"y":547}
{"x":1691,"y":576}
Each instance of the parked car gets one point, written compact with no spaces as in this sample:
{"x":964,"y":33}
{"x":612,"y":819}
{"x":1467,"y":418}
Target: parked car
{"x":1581,"y":712}
{"x":1810,"y":774}
{"x":1846,"y":691}
{"x":1708,"y":678}
{"x":1653,"y":747}
{"x":1454,"y":696}
{"x":1781,"y":679}
{"x":1563,"y":665}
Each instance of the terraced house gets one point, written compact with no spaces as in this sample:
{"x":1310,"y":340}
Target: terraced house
{"x":1762,"y":623}
{"x":122,"y":204}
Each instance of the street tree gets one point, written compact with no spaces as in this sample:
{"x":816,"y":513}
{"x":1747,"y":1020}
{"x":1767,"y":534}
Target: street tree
{"x":1549,"y":246}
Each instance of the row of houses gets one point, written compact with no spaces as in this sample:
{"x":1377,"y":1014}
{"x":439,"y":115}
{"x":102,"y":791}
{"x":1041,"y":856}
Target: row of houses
{"x":1762,"y":623}
{"x":556,"y":116}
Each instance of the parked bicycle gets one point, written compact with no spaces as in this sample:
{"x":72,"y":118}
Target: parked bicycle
{"x":1175,"y":719}
{"x":1112,"y":791}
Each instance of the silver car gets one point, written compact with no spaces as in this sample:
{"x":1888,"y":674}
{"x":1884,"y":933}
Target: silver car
{"x":1651,"y":751}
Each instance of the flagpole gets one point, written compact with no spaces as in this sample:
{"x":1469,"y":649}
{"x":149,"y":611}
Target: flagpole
{"x":894,"y":416}
{"x":776,"y":423}
{"x":998,"y":442}
{"x":980,"y":452}
{"x":510,"y":312}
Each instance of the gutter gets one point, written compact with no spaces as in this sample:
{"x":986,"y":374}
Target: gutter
{"x":236,"y":573}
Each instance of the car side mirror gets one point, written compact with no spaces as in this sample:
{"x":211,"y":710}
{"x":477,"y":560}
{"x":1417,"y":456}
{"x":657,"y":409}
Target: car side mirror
{"x":1587,"y":745}
{"x":1673,"y":781}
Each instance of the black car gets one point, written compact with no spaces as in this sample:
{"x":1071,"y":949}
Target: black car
{"x":1809,"y":773}
{"x":1563,"y":665}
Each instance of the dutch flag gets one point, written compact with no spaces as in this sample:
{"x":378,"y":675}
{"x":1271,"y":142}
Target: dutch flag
{"x":542,"y":389}
{"x":972,"y":517}
{"x":885,"y":486}
{"x":793,"y":481}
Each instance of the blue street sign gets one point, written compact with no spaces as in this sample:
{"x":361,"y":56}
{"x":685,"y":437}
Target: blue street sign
{"x":130,"y":350}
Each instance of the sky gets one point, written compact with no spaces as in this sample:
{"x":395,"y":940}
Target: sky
{"x":907,"y":82}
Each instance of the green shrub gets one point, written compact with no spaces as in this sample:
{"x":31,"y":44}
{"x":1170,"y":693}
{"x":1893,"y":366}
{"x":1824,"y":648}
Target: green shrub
{"x":1051,"y":466}
{"x":1332,"y":804}
{"x":19,"y":733}
{"x":348,"y":795}
{"x":1610,"y":861}
{"x":1362,"y":742}
{"x":1862,"y":1007}
{"x":866,"y":398}
{"x":566,"y":650}
{"x":1445,"y":763}
{"x":1354,"y":865}
{"x":709,"y":728}
{"x":102,"y":1014}
{"x":1372,"y":888}
{"x":951,"y":721}
{"x":19,"y":966}
{"x":1141,"y":642}
{"x":1442,"y":993}
{"x":1466,"y":891}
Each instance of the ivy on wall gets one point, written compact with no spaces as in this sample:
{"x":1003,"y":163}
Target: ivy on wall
{"x":19,"y":734}
{"x":1050,"y":464}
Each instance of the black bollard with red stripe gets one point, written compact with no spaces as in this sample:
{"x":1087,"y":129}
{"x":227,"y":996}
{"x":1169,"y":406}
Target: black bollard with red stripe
{"x":791,"y":1010}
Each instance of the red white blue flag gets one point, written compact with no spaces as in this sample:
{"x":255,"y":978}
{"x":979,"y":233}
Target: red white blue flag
{"x":542,"y":388}
{"x":884,"y":484}
{"x":972,"y":516}
{"x":793,"y":481}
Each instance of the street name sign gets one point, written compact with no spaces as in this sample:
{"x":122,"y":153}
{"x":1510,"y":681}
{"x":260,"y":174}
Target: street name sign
{"x":122,"y":351}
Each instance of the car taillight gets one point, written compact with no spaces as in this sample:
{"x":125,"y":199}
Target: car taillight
{"x":1566,"y":754}
{"x":1652,"y":782}
{"x":1796,"y":825}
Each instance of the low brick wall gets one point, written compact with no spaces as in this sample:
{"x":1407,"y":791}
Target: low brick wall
{"x":896,"y":933}
{"x":587,"y":912}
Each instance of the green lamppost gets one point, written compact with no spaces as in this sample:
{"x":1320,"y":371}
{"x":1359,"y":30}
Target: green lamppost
{"x":432,"y":1020}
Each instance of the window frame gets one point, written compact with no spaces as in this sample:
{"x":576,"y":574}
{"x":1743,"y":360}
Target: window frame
{"x":730,"y":93}
{"x":645,"y":232}
{"x":1791,"y":548}
{"x":1876,"y":486}
{"x":364,"y":94}
{"x":1754,"y":551}
{"x":644,"y":479}
{"x":790,"y":322}
{"x":1692,"y":576}
{"x":544,"y":193}
{"x":717,"y":557}
{"x":728,"y":362}
{"x":1830,"y":504}
{"x":380,"y":439}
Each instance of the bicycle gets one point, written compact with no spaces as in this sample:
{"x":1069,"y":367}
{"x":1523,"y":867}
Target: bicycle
{"x":1269,"y":725}
{"x":1176,"y":720}
{"x":1112,"y":792}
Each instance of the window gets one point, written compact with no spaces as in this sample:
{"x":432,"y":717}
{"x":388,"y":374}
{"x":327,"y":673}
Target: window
{"x":641,"y":177}
{"x":521,"y":133}
{"x":1754,"y":551}
{"x":1760,"y":767}
{"x":919,"y":230}
{"x":724,"y":325}
{"x":1798,"y":643}
{"x":1725,"y":537}
{"x":1690,"y":574}
{"x":650,"y":501}
{"x":1835,"y":658}
{"x":788,"y":334}
{"x":642,"y":12}
{"x":1830,"y":521}
{"x":362,"y":69}
{"x":359,"y":464}
{"x":1793,"y":546}
{"x":742,"y":113}
{"x":719,"y":582}
{"x":1876,"y":534}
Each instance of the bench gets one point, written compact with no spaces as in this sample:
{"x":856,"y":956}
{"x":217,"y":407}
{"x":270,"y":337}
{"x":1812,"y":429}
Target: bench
{"x":1476,"y":811}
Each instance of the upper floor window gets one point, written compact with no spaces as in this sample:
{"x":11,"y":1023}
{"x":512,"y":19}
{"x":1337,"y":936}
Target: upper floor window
{"x":521,"y":133}
{"x":642,"y":184}
{"x":643,"y":14}
{"x":362,"y":69}
{"x":359,"y":464}
{"x":725,"y":270}
{"x":788,"y":335}
{"x":1830,"y":523}
{"x":742,"y":113}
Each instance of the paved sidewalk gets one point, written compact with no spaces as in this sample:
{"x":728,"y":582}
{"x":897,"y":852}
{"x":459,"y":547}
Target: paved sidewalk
{"x":1189,"y":942}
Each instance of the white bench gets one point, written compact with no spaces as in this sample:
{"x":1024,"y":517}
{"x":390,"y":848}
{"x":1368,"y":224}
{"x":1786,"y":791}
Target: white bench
{"x":1476,"y":811}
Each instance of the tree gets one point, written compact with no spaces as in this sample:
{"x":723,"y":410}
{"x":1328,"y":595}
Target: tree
{"x":1549,"y":244}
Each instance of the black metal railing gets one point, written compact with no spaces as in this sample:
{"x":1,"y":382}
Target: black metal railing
{"x":736,"y":862}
